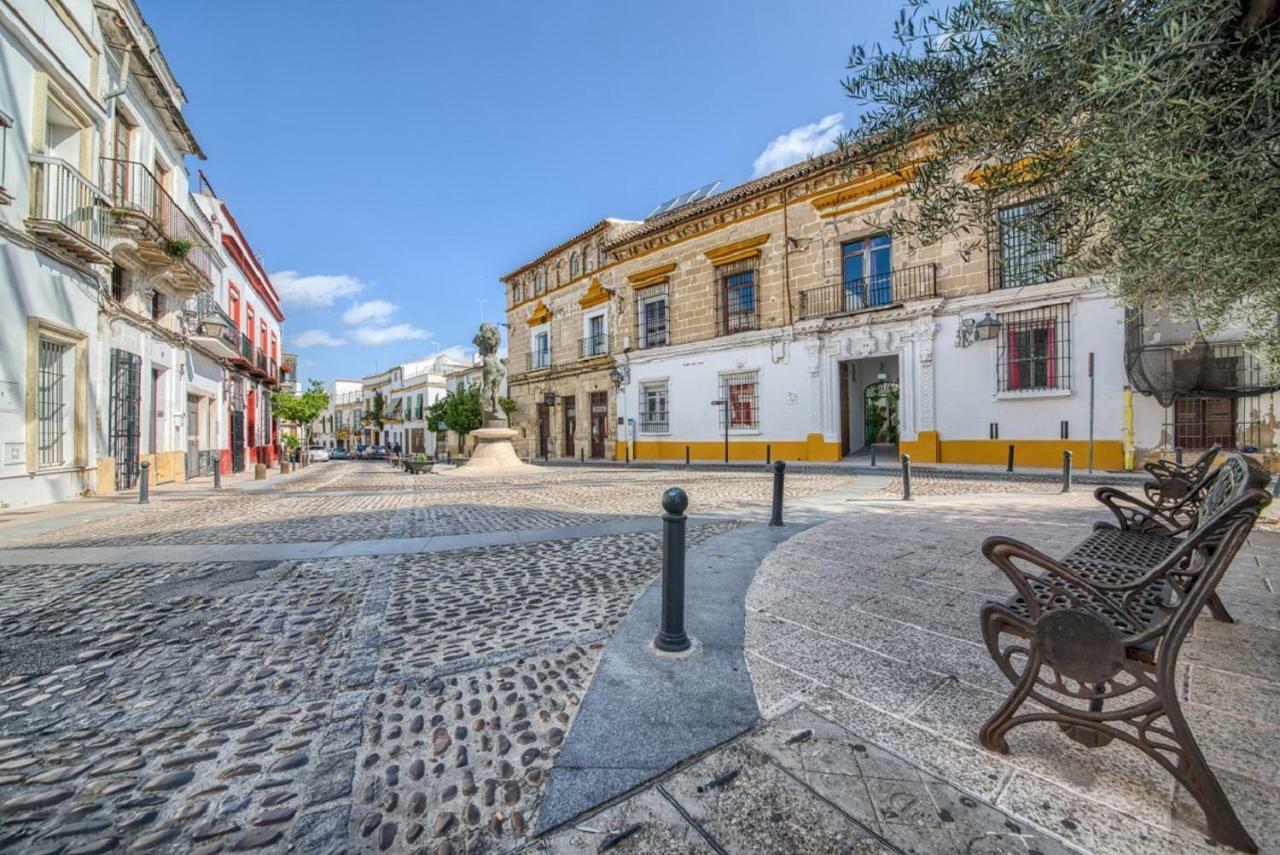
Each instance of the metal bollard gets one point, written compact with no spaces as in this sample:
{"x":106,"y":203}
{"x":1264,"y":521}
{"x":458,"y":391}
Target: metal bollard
{"x":1177,"y":455}
{"x":873,"y":454}
{"x":1010,"y":469}
{"x":582,"y":455}
{"x":768,"y":454}
{"x":686,"y":455}
{"x":906,"y":478}
{"x":217,"y":475}
{"x":1066,"y":471}
{"x":628,"y":455}
{"x":671,"y":635}
{"x":779,"y":469}
{"x":144,"y":483}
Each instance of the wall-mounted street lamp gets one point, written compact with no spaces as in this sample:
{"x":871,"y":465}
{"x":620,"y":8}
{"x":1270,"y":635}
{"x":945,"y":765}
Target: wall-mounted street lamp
{"x":724,"y":402}
{"x":971,"y":331}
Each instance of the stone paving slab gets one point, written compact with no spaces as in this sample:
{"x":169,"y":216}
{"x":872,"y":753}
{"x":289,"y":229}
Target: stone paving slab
{"x":872,"y":620}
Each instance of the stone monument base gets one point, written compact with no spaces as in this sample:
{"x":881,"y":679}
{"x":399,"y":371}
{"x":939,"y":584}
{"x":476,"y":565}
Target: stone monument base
{"x":494,"y":454}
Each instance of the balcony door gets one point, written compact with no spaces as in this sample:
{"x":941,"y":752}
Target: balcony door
{"x":120,"y":152}
{"x":868,"y":272}
{"x":599,"y":423}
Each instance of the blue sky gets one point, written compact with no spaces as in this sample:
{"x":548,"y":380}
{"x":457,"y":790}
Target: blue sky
{"x":389,"y":160}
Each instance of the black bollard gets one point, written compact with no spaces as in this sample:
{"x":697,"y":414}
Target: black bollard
{"x":217,"y":475}
{"x":1010,"y":469}
{"x":873,"y":454}
{"x":1177,"y":455}
{"x":671,"y":635}
{"x":779,"y":469}
{"x":686,"y":455}
{"x":906,"y":478}
{"x":628,"y":455}
{"x":582,"y":455}
{"x":768,"y":454}
{"x":144,"y":483}
{"x":1066,"y":471}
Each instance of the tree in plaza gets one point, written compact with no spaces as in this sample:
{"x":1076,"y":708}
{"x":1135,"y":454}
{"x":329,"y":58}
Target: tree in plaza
{"x":377,"y":411}
{"x":462,"y":411}
{"x":435,"y":414}
{"x":301,"y":410}
{"x":1149,"y":132}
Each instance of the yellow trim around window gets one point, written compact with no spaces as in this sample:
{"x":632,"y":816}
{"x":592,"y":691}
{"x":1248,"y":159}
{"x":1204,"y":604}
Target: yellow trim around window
{"x":541,"y":314}
{"x":738,"y":250}
{"x":652,"y":276}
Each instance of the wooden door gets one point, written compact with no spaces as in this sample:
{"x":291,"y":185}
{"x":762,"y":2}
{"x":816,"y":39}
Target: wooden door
{"x":544,"y":430}
{"x":599,"y":422}
{"x":846,"y":444}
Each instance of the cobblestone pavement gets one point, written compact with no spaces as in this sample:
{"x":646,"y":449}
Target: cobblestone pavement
{"x":940,"y":483}
{"x":871,"y":620}
{"x":368,"y":501}
{"x":407,"y":703}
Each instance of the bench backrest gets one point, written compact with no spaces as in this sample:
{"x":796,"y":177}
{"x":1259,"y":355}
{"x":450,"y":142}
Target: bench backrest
{"x":1236,"y":476}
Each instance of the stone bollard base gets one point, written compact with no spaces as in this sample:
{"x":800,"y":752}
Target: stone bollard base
{"x":260,"y":472}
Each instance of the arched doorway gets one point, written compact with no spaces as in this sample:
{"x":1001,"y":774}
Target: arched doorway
{"x":880,"y":412}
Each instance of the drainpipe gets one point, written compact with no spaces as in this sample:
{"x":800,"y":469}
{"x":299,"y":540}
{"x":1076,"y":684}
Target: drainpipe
{"x":1128,"y":428}
{"x":786,"y":256}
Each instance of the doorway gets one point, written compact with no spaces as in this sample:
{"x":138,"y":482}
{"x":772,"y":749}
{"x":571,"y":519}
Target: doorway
{"x":599,"y":423}
{"x":870,"y":403}
{"x":126,"y":413}
{"x":193,"y":436}
{"x":544,"y":431}
{"x":570,"y":425}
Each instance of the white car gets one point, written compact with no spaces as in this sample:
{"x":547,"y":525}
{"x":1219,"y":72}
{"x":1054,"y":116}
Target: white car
{"x":318,"y":454}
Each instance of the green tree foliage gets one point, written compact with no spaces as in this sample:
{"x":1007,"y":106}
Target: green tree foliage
{"x":435,"y":414}
{"x":377,"y":410}
{"x":462,"y":411}
{"x":508,"y":406}
{"x":1154,"y":127}
{"x":301,"y":410}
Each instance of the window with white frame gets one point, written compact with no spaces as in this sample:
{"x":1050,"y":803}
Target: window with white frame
{"x":653,"y":407}
{"x":595,"y":336}
{"x":6,"y":122}
{"x":540,"y":348}
{"x":740,"y":389}
{"x":651,"y":317}
{"x":1033,"y":349}
{"x":52,"y":412}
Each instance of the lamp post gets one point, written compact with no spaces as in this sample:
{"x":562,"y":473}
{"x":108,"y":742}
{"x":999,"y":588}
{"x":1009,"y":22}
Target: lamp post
{"x":724,"y":403}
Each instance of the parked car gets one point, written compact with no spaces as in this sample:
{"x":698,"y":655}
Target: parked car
{"x":339,"y":453}
{"x":317,"y":454}
{"x":376,"y":452}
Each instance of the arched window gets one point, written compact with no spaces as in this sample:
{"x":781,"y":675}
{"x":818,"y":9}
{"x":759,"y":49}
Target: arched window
{"x":602,"y":258}
{"x":573,"y":265}
{"x":539,"y":284}
{"x":588,"y":262}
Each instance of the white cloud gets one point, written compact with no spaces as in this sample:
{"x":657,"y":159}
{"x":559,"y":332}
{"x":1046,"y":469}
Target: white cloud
{"x":318,"y":290}
{"x":316,"y":338}
{"x":798,"y":143}
{"x":374,"y":336}
{"x":369,"y":312}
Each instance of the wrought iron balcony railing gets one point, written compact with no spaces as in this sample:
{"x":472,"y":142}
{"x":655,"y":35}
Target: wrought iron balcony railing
{"x":593,"y":345}
{"x":68,"y":209}
{"x":134,"y":191}
{"x":246,"y":349}
{"x":870,"y":292}
{"x":210,"y":323}
{"x":536,"y":359}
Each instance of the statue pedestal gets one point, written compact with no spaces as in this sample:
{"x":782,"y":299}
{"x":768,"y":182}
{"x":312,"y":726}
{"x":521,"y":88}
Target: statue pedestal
{"x":494,"y":454}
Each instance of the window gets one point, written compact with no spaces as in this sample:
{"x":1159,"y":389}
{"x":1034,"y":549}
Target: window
{"x":539,"y":283}
{"x":653,"y":407}
{"x":574,"y":265}
{"x":540,"y":354}
{"x":1033,"y":349}
{"x":740,"y":389}
{"x":262,"y":335}
{"x":602,"y":257}
{"x":51,"y":407}
{"x":6,"y":122}
{"x":1201,"y":421}
{"x":233,"y":304}
{"x":248,"y":323}
{"x":651,"y":316}
{"x":157,"y":305}
{"x":595,"y":341}
{"x":418,"y":407}
{"x":588,"y":260}
{"x":866,"y":267}
{"x":737,"y":297}
{"x":1028,"y":249}
{"x":119,"y":283}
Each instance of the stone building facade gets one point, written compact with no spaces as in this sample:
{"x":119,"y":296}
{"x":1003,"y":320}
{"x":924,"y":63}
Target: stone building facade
{"x":781,"y":319}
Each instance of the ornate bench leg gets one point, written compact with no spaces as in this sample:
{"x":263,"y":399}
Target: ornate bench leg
{"x":1198,"y":778}
{"x":1218,"y":610}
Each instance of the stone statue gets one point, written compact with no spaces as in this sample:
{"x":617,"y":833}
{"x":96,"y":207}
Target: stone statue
{"x":487,"y":341}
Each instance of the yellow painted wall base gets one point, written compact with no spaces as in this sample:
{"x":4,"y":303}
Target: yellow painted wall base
{"x":923,"y":449}
{"x":105,"y":482}
{"x":813,"y":447}
{"x":166,"y":466}
{"x":1039,"y":453}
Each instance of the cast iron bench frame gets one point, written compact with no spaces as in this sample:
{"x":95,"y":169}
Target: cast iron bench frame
{"x":1173,"y":481}
{"x":1085,"y":633}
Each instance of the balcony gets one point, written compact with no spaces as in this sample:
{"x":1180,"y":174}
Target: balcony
{"x":246,"y":350}
{"x":163,"y":234}
{"x":273,"y":372}
{"x":258,"y":365}
{"x":536,"y":359}
{"x":213,"y":330}
{"x":870,"y":293}
{"x":68,"y":210}
{"x":593,"y":346}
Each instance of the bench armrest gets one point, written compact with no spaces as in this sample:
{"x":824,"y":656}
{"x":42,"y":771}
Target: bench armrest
{"x":1004,"y":551}
{"x":1134,"y":514}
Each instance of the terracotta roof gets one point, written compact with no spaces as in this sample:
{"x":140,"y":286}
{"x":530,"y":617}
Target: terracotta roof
{"x":601,"y":224}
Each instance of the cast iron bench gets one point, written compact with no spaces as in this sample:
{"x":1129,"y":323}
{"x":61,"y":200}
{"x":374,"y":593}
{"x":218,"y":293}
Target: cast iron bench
{"x":1173,"y":481}
{"x":1094,"y":638}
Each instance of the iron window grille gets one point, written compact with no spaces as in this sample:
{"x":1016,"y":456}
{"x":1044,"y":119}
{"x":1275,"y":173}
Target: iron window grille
{"x":51,"y":402}
{"x":1033,"y":349}
{"x":741,"y":390}
{"x":653,"y":407}
{"x":1236,"y":422}
{"x":738,"y":298}
{"x":1028,"y":250}
{"x":652,"y":317}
